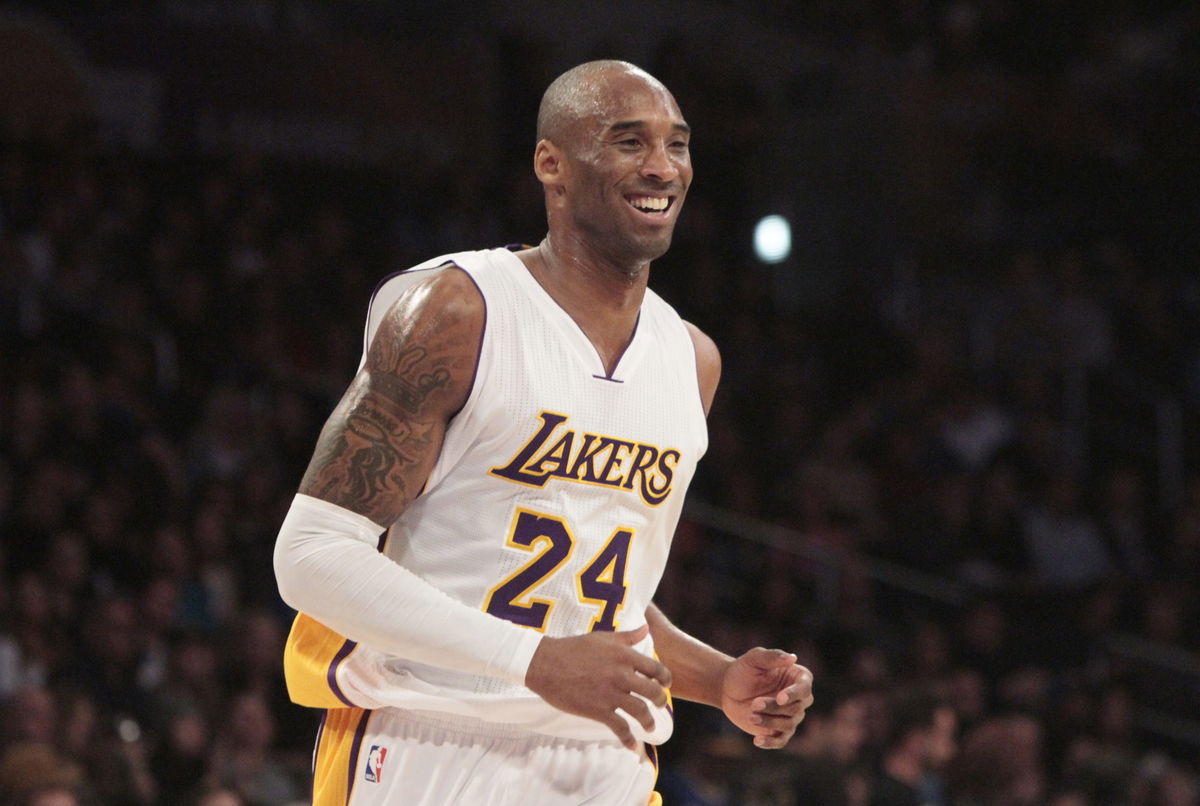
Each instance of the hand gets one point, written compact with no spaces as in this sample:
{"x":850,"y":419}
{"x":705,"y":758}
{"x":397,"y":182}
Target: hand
{"x":595,"y":674}
{"x":765,"y":693}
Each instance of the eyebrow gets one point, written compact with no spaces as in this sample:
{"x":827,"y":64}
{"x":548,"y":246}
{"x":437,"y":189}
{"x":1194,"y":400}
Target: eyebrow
{"x":626,"y":125}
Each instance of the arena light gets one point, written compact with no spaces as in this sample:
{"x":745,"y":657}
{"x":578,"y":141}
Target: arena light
{"x":772,"y":239}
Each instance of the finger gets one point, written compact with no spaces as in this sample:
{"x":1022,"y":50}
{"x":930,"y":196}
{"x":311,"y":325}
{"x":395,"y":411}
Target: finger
{"x":773,"y":741}
{"x":801,"y":688}
{"x":769,"y":723}
{"x":770,"y":658}
{"x":650,"y":689}
{"x":653,"y":669}
{"x":777,"y":657}
{"x":797,"y":696}
{"x":786,"y":714}
{"x":636,"y":636}
{"x":637,"y":709}
{"x":784,"y":705}
{"x":621,"y":729}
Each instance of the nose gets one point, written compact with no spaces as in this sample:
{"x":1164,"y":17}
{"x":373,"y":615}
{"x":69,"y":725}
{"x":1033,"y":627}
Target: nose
{"x":658,"y":164}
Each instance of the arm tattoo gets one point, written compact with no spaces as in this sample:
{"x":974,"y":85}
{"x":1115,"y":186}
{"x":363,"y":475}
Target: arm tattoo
{"x":381,"y":442}
{"x":403,"y":378}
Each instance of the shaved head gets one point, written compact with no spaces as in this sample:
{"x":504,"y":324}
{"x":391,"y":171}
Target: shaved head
{"x":612,"y":156}
{"x":584,"y":92}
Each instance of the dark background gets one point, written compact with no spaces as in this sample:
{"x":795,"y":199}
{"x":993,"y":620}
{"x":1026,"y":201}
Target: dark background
{"x":955,"y":449}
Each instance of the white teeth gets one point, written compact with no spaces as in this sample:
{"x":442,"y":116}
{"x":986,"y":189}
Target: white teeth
{"x":651,"y":203}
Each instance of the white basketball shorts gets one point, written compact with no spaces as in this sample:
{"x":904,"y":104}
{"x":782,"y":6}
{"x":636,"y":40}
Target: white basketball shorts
{"x":392,"y":756}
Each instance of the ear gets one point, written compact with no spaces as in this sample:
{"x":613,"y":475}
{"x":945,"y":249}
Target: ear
{"x":548,"y":163}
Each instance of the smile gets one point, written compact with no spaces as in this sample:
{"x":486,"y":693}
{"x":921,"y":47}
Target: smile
{"x":650,"y":204}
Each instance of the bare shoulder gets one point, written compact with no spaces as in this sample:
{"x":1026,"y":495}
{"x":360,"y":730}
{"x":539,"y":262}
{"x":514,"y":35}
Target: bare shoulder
{"x":379,"y":445}
{"x":442,"y":296}
{"x":708,"y":364}
{"x":424,"y":353}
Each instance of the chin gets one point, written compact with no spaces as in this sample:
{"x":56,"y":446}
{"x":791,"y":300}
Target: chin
{"x":658,"y":249}
{"x":651,"y":246}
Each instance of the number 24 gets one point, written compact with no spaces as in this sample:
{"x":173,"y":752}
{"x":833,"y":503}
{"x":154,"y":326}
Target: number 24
{"x":601,"y":582}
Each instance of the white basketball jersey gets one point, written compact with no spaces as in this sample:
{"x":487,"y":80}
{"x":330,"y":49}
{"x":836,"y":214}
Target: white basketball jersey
{"x":556,"y":494}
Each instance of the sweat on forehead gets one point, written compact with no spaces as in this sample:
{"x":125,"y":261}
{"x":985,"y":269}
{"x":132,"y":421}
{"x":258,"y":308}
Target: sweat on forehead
{"x":582,"y":92}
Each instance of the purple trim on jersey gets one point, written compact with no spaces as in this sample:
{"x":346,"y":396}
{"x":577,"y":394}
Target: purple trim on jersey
{"x":637,"y":324}
{"x":482,"y":332}
{"x":382,"y":283}
{"x":317,"y":744}
{"x":331,"y":673}
{"x":652,"y":754}
{"x":359,"y":733}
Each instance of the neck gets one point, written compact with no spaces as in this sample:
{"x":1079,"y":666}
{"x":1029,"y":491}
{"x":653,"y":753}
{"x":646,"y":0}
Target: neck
{"x":604,"y":299}
{"x":572,"y":263}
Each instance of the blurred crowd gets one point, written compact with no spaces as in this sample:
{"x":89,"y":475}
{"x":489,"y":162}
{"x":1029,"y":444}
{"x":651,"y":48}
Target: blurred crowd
{"x":977,"y":457}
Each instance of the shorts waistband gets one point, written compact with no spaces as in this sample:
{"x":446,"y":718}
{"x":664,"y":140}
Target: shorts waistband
{"x":469,"y":726}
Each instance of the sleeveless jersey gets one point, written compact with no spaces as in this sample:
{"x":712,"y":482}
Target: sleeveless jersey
{"x":552,"y":504}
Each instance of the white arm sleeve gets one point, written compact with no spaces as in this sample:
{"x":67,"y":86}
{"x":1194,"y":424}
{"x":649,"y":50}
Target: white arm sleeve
{"x":327,"y":565}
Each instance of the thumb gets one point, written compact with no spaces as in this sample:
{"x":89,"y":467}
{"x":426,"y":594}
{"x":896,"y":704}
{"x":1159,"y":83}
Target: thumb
{"x":771,"y":658}
{"x":631,"y":637}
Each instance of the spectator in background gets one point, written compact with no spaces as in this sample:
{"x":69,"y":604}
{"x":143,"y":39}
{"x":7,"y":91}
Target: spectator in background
{"x":109,"y":667}
{"x":999,"y":764}
{"x":68,"y":574}
{"x":1162,"y":782}
{"x":920,"y":741}
{"x":182,"y":754}
{"x":828,"y":746}
{"x":36,"y":643}
{"x":52,"y":795}
{"x":1066,"y":548}
{"x":244,"y":755}
{"x":219,"y":796}
{"x":255,"y":649}
{"x":32,"y":763}
{"x":32,"y":717}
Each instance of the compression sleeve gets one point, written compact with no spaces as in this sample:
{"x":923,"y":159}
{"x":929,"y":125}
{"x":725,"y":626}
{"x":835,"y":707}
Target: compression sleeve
{"x":327,"y":565}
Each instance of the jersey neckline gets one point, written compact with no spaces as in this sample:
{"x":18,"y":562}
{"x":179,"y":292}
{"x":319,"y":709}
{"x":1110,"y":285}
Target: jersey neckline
{"x":581,"y":345}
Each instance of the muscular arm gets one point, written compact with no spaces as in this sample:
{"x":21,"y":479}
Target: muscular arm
{"x":379,"y":445}
{"x":708,"y":365}
{"x":764,"y":692}
{"x":696,"y":668}
{"x":371,"y":460}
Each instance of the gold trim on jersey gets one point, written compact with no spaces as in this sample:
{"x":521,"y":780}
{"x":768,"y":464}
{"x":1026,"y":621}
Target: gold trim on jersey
{"x":338,"y":757}
{"x":311,"y":659}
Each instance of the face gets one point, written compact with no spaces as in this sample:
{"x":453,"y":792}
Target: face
{"x":626,"y":170}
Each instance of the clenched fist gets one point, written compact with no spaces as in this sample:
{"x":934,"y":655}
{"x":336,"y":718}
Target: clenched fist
{"x":765,"y":693}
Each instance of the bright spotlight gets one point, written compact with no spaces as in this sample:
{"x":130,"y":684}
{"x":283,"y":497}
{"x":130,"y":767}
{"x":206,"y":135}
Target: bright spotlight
{"x":772,"y":239}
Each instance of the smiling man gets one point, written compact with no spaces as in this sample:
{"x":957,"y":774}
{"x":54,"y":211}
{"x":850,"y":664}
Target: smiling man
{"x":476,"y":543}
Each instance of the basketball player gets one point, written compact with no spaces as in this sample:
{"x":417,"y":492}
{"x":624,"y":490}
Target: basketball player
{"x":488,"y":511}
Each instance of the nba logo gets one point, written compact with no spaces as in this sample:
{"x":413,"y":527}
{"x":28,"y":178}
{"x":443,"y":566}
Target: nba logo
{"x":374,"y":771}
